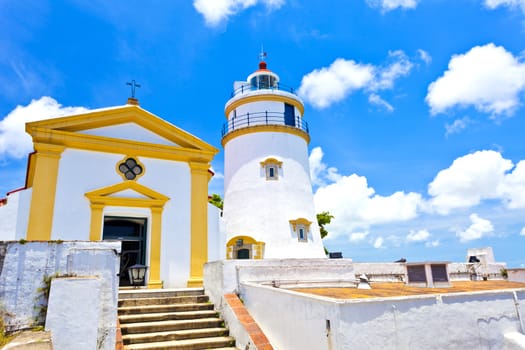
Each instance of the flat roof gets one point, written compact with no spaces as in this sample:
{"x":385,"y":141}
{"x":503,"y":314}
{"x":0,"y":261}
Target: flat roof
{"x":398,"y":289}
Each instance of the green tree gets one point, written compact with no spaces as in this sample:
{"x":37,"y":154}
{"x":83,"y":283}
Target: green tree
{"x":216,"y":200}
{"x":324,"y":218}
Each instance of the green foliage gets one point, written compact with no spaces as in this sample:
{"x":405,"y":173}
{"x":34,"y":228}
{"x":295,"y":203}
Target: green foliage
{"x":324,"y":218}
{"x":4,"y":338}
{"x":216,"y":200}
{"x":504,"y":273}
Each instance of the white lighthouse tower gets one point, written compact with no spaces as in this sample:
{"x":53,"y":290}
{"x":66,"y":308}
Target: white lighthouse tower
{"x":268,"y":201}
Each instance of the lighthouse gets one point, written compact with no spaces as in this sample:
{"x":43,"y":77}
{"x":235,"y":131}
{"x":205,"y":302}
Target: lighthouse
{"x":268,"y":201}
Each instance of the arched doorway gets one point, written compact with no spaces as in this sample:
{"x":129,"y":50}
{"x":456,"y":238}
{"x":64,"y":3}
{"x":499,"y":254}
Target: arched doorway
{"x":132,"y":233}
{"x":244,"y":247}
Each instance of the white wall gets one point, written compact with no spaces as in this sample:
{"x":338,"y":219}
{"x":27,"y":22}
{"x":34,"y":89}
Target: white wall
{"x":24,"y":267}
{"x":14,"y":215}
{"x":262,"y":209}
{"x":455,"y":321}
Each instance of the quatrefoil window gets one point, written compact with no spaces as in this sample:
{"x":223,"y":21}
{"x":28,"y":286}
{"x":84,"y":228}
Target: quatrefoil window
{"x":130,"y":169}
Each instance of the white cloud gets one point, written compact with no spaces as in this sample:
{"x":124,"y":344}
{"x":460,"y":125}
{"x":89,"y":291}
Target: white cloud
{"x":479,"y":228}
{"x":522,"y":233}
{"x":378,"y":243}
{"x":468,"y":180}
{"x":325,"y":86}
{"x":389,"y":5}
{"x":432,"y":244}
{"x":358,"y":236}
{"x":489,"y":78}
{"x":217,"y":11}
{"x":14,"y":142}
{"x":399,"y":67}
{"x":418,"y":236}
{"x":424,"y":56}
{"x":475,"y":177}
{"x":512,"y":187}
{"x":457,"y":126}
{"x":356,"y":205}
{"x":492,"y":4}
{"x":377,"y":100}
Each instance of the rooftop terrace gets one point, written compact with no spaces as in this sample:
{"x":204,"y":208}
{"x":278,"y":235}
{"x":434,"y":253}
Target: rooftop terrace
{"x":385,"y":290}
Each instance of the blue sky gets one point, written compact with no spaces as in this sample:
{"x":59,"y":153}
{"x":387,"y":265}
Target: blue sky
{"x":415,"y":107}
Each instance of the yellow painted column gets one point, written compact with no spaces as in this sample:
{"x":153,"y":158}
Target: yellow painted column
{"x":95,"y":227}
{"x":199,"y":222}
{"x":46,"y":158}
{"x":154,"y":281}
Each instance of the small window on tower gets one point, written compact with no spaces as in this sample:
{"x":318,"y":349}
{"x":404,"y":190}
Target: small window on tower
{"x":301,"y":227}
{"x":271,"y":168}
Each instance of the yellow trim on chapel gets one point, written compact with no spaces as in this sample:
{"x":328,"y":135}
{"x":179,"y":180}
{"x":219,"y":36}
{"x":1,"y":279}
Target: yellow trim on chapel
{"x":199,"y":222}
{"x":45,"y":163}
{"x":264,"y":98}
{"x":155,"y":201}
{"x":271,"y":161}
{"x":265,"y":128}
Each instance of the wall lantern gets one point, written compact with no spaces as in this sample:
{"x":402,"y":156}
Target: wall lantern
{"x":137,"y":274}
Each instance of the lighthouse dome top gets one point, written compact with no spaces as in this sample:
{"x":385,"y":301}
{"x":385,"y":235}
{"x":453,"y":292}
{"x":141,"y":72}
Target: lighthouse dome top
{"x":263,"y":78}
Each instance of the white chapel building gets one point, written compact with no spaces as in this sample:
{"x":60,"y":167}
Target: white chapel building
{"x":120,"y":173}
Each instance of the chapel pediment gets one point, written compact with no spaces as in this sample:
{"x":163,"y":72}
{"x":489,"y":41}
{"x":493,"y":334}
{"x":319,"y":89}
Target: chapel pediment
{"x":125,"y":127}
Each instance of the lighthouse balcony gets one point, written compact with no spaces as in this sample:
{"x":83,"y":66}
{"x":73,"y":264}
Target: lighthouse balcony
{"x":264,"y":118}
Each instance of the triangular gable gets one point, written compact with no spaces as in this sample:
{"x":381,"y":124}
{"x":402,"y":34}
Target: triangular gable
{"x":115,"y":195}
{"x":116,"y":116}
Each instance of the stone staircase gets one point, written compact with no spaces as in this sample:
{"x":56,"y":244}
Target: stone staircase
{"x":171,"y":319}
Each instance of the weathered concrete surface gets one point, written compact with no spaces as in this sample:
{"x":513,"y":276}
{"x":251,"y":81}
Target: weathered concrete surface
{"x":73,"y":313}
{"x":30,"y":340}
{"x":28,"y":264}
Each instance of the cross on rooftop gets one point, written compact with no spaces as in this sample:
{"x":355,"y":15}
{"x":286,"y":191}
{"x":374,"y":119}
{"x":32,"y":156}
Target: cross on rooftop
{"x":133,"y":85}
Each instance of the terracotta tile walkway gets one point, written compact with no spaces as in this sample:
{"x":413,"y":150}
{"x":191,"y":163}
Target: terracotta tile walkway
{"x":382,"y":290}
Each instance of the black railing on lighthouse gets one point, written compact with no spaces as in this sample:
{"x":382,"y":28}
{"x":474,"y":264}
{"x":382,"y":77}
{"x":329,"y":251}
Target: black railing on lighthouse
{"x":247,"y":87}
{"x":263,"y":118}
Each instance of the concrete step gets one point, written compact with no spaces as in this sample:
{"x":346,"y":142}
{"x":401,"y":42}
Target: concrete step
{"x":129,"y":310}
{"x":159,"y":326}
{"x":158,"y":293}
{"x":189,"y":299}
{"x":174,"y":335}
{"x":167,"y":316}
{"x":187,"y":344}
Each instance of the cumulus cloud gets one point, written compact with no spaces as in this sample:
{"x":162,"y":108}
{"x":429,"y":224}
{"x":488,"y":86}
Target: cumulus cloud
{"x":378,"y":243}
{"x":14,"y":142}
{"x":466,"y":183}
{"x":522,"y":233}
{"x":356,"y":205}
{"x":475,"y":177}
{"x":217,"y":11}
{"x":492,"y":4}
{"x":488,"y":78}
{"x":327,"y":85}
{"x":479,"y":228}
{"x":358,"y":236}
{"x":418,"y":236}
{"x":389,"y":5}
{"x":457,"y":126}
